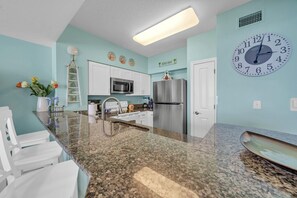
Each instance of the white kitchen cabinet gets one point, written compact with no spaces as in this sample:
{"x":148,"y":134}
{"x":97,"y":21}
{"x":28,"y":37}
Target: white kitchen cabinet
{"x":100,"y":74}
{"x":142,"y":118}
{"x":145,"y":118}
{"x":145,"y":84}
{"x":99,"y":79}
{"x":120,"y":73}
{"x":141,"y":84}
{"x":150,"y":118}
{"x":137,"y":83}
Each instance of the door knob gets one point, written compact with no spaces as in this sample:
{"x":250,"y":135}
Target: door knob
{"x":196,"y":113}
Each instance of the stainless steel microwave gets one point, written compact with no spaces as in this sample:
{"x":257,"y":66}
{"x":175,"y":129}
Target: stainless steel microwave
{"x":122,"y":86}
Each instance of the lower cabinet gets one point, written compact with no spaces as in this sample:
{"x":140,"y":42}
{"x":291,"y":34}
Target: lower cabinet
{"x":150,"y":116}
{"x":145,"y":118}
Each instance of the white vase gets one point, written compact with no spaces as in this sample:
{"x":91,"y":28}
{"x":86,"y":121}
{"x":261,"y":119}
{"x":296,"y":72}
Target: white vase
{"x":42,"y":104}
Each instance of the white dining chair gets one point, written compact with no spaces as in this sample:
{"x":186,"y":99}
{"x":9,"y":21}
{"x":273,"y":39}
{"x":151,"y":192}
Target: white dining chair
{"x":58,"y":181}
{"x":4,"y":108}
{"x":29,"y":158}
{"x":30,"y":139}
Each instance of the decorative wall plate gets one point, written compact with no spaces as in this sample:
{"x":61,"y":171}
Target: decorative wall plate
{"x":111,"y":56}
{"x":131,"y":62}
{"x":122,"y":59}
{"x":274,"y":150}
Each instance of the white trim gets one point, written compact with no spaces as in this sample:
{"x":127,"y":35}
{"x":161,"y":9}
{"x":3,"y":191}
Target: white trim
{"x":192,"y":88}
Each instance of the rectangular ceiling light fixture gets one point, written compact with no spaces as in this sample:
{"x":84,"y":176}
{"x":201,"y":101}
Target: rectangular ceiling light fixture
{"x":170,"y":26}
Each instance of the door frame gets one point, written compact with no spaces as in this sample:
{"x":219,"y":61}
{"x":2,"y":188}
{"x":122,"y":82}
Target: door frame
{"x":192,"y":88}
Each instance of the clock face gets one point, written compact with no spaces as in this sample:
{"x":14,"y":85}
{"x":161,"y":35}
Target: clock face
{"x":261,"y":54}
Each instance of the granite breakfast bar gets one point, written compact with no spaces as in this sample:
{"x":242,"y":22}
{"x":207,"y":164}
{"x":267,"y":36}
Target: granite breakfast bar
{"x":124,"y":160}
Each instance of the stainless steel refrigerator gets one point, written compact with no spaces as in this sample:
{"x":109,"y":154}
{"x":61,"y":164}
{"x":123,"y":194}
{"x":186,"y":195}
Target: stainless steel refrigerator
{"x":170,"y":105}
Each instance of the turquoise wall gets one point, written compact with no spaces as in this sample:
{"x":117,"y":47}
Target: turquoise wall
{"x":90,"y":48}
{"x":237,"y":92}
{"x":180,"y":55}
{"x":199,"y":47}
{"x":20,"y":60}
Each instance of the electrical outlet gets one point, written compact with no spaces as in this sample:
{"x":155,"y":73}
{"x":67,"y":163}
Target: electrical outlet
{"x":293,"y":104}
{"x":257,"y":104}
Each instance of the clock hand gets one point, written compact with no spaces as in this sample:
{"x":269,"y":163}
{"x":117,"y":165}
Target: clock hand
{"x":268,"y":53}
{"x":256,"y":60}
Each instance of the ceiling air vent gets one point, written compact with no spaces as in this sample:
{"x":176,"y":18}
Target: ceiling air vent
{"x":251,"y":18}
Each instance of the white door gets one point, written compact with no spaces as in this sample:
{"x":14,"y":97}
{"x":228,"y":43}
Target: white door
{"x":202,"y":97}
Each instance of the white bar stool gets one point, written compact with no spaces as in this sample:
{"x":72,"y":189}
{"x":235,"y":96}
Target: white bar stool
{"x":29,"y":158}
{"x":29,"y":139}
{"x":56,"y":181}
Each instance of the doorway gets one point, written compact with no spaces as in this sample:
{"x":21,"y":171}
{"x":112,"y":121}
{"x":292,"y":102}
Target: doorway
{"x":203,"y":96}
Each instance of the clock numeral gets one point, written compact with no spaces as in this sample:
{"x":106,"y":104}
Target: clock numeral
{"x":247,"y":44}
{"x":247,"y":69}
{"x":239,"y":66}
{"x":240,"y":51}
{"x":279,"y":59}
{"x":283,"y":50}
{"x":269,"y":66}
{"x":257,"y":39}
{"x":277,"y":42}
{"x":236,"y":58}
{"x":258,"y":70}
{"x":268,"y":38}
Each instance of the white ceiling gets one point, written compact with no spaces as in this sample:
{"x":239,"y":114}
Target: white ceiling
{"x":36,"y":21}
{"x":119,"y":20}
{"x":42,"y":22}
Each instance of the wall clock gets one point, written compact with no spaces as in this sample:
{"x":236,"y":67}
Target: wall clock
{"x":261,"y":54}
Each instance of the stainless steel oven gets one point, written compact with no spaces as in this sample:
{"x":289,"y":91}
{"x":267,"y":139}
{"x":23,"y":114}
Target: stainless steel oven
{"x":123,"y":86}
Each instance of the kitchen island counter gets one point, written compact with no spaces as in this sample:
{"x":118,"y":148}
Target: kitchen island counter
{"x":123,"y":160}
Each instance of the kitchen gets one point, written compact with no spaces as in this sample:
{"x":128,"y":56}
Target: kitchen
{"x":236,"y":93}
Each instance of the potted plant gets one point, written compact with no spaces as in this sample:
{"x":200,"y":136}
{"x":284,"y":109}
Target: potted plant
{"x":39,"y":90}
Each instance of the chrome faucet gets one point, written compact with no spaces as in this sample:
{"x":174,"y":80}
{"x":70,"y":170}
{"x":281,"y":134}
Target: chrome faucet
{"x":103,"y":106}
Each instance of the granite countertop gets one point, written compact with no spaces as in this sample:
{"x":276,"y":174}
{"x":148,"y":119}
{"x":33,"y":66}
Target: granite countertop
{"x":128,"y":161}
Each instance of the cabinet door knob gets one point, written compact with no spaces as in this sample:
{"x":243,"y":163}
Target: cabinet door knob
{"x":196,"y":113}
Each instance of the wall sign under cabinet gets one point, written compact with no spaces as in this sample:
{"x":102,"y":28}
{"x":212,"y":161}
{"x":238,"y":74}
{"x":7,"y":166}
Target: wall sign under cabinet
{"x":167,"y":63}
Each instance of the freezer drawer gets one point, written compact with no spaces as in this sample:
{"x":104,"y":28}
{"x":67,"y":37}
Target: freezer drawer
{"x":170,"y":117}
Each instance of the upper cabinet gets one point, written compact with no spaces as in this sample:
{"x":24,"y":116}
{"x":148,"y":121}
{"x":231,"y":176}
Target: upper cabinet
{"x":100,"y":74}
{"x":120,"y":73}
{"x":145,"y":84}
{"x":135,"y":76}
{"x":99,"y":79}
{"x":141,"y":84}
